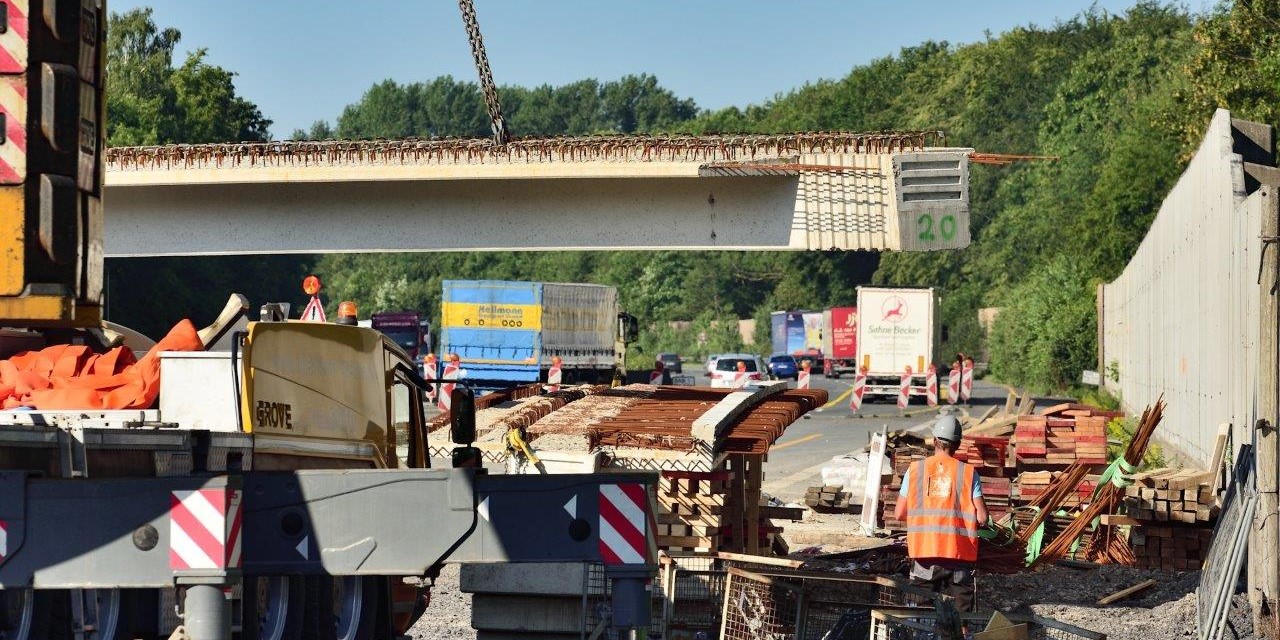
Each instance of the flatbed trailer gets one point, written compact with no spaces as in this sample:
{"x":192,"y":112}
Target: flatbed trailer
{"x":131,"y":524}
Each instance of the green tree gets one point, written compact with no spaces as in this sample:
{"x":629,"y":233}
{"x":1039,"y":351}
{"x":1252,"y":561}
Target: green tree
{"x":151,"y":102}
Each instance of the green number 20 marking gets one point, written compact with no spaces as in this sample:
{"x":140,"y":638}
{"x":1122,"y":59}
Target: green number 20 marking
{"x":947,"y":227}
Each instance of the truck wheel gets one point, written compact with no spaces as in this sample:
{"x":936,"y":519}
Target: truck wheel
{"x":343,"y":608}
{"x":125,"y":614}
{"x":273,"y":608}
{"x":26,"y":614}
{"x":17,"y":614}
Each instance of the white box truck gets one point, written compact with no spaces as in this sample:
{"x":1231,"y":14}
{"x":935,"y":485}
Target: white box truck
{"x":896,"y":330}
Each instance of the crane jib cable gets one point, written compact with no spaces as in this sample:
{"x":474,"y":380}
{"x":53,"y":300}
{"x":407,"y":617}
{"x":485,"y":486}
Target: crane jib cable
{"x":487,"y":86}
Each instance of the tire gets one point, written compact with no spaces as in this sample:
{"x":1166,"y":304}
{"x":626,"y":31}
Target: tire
{"x":343,"y":608}
{"x":274,"y":608}
{"x":26,"y":614}
{"x":126,"y":614}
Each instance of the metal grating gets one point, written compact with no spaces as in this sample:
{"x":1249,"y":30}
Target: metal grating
{"x":1227,"y":553}
{"x":780,"y":604}
{"x":899,"y":625}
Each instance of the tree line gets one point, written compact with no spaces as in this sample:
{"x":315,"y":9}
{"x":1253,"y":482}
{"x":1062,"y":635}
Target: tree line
{"x":1115,"y":102}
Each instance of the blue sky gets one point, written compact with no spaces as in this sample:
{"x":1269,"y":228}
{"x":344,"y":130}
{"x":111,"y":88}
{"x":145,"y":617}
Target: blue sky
{"x":303,"y":61}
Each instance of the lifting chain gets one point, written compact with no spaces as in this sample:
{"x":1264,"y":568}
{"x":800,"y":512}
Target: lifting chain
{"x":490,"y":90}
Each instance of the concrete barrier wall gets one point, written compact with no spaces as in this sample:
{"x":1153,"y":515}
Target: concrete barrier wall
{"x":1183,"y":318}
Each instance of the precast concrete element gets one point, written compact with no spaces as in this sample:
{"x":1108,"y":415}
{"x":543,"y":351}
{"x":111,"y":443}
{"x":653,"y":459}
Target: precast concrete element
{"x":883,"y":192}
{"x":1183,"y":319}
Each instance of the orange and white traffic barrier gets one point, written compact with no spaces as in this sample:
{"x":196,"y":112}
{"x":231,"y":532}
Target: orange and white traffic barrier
{"x":655,"y":378}
{"x":740,"y":376}
{"x":802,"y":378}
{"x":554,"y":375}
{"x":859,"y":390}
{"x":931,"y":386}
{"x":451,"y":372}
{"x":953,"y":385}
{"x":904,"y":388}
{"x":429,"y":374}
{"x":966,"y":380}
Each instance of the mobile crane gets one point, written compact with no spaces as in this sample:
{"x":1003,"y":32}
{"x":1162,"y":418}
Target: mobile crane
{"x":279,"y":490}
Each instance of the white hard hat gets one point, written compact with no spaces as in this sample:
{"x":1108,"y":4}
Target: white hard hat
{"x":947,"y":428}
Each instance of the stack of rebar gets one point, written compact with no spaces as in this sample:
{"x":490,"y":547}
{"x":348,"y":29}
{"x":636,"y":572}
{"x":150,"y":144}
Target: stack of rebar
{"x":1109,"y":495}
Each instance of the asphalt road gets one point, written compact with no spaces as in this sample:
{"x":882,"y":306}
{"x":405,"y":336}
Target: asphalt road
{"x":796,"y":460}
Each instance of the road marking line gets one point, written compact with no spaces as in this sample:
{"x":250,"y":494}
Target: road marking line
{"x":840,"y":398}
{"x":796,"y":441}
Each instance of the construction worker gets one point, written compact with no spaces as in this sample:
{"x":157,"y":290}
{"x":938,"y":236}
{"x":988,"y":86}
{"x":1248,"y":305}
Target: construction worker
{"x":941,"y":502}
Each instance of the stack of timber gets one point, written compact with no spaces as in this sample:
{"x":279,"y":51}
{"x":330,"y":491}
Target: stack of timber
{"x":690,"y":506}
{"x":1032,"y":484}
{"x":1063,"y":434}
{"x":903,"y":452}
{"x":828,"y":498}
{"x":1165,"y":495}
{"x":1170,"y":547}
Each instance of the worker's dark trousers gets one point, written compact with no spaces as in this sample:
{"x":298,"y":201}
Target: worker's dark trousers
{"x":955,"y":581}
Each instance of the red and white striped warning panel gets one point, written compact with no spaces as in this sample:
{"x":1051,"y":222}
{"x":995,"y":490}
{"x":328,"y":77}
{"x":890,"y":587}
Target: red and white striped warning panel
{"x":4,"y":540}
{"x":204,"y":529}
{"x":554,"y":376}
{"x":966,"y":380}
{"x":802,"y":380}
{"x":904,"y":389}
{"x":13,"y":149}
{"x":859,"y":389}
{"x":931,"y":386}
{"x":445,"y":402}
{"x":13,"y":40}
{"x":623,"y":524}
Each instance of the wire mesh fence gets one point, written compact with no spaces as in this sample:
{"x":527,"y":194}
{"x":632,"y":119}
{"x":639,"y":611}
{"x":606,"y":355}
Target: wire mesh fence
{"x":927,"y":625}
{"x":778,"y":604}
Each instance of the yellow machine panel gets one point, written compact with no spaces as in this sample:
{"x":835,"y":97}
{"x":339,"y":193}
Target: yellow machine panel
{"x":318,"y":390}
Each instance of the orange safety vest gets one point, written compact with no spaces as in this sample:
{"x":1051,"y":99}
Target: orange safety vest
{"x":942,"y":520}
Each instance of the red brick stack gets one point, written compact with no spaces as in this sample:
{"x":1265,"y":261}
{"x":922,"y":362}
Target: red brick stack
{"x":902,"y":456}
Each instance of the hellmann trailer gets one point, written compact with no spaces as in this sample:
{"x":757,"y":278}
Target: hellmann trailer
{"x":281,"y":490}
{"x":508,"y":333}
{"x":897,"y":332}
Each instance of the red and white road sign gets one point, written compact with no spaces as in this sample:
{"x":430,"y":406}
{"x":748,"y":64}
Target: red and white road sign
{"x":953,"y":386}
{"x":554,"y":376}
{"x":739,"y":379}
{"x":623,"y":524}
{"x":13,"y":150}
{"x":859,"y":389}
{"x":904,"y":389}
{"x":931,"y":386}
{"x":802,"y":380}
{"x":204,"y":529}
{"x":429,"y":374}
{"x":655,"y":378}
{"x":14,"y":39}
{"x":966,"y":380}
{"x":446,"y":390}
{"x":4,"y":540}
{"x":314,"y":312}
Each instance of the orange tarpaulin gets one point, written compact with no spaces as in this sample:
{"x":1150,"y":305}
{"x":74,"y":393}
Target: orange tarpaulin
{"x":73,"y":377}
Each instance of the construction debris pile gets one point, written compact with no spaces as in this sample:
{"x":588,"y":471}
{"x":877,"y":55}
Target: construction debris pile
{"x":708,"y":445}
{"x":1053,"y":494}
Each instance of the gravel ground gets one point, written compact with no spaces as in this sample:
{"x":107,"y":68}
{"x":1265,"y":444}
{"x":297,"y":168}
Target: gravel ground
{"x":449,"y":616}
{"x":1164,"y":612}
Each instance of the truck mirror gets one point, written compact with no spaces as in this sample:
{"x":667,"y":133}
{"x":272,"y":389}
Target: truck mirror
{"x":628,"y":327}
{"x":462,"y":416}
